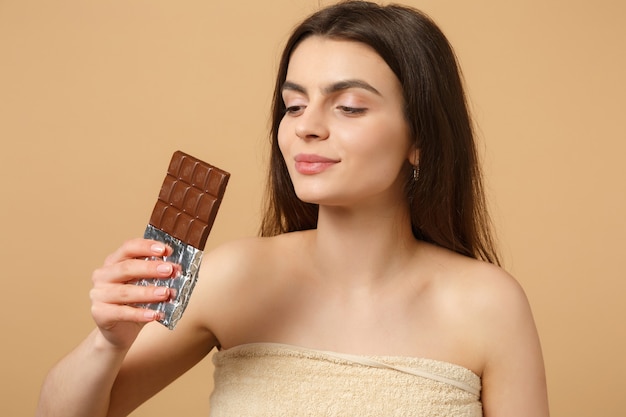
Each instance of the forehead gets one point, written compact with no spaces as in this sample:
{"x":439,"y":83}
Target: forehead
{"x":319,"y":60}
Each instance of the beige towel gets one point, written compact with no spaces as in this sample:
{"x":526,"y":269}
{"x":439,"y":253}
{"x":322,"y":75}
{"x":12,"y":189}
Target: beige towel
{"x":267,"y":379}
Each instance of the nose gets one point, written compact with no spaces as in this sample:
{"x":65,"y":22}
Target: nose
{"x":312,"y":124}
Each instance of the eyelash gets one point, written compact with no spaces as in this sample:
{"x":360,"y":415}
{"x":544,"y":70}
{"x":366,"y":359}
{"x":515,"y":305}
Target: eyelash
{"x":351,"y":111}
{"x":293,"y":109}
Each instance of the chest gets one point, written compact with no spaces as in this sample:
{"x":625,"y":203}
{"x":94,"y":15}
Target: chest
{"x":400,"y":320}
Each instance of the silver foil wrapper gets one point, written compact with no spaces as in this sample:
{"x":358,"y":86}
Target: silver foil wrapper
{"x":188,"y":258}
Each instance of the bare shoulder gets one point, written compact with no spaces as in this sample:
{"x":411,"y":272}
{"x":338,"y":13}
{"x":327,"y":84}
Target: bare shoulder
{"x":246,"y":258}
{"x":499,"y":324}
{"x":500,"y":310}
{"x":235,"y":258}
{"x":238,"y":283}
{"x":482,"y":302}
{"x":233,"y":267}
{"x":481,"y":289}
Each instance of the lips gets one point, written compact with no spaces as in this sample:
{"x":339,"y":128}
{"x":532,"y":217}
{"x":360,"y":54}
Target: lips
{"x":310,"y":164}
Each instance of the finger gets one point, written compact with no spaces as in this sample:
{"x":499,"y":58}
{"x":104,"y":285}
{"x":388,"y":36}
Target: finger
{"x":108,"y":316}
{"x":129,"y":294}
{"x":132,"y":270}
{"x":138,"y":248}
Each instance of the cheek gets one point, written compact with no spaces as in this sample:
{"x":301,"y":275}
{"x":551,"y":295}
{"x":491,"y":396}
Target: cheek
{"x":282,"y":138}
{"x":381,"y":145}
{"x":384,"y":158}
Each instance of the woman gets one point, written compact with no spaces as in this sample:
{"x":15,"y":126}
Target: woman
{"x":375,"y":288}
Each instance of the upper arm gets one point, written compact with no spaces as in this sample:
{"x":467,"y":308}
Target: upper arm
{"x":159,"y":355}
{"x":513,"y":377}
{"x":157,"y":358}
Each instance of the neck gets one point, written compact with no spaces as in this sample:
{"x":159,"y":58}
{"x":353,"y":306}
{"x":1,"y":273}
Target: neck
{"x":362,"y":246}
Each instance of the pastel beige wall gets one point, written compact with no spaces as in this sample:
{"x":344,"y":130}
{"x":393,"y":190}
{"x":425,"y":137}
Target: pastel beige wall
{"x":96,"y":95}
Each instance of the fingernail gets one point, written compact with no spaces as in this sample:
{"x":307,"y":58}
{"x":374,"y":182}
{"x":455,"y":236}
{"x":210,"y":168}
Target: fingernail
{"x":151,"y":315}
{"x":161,"y":291}
{"x":156,"y":248}
{"x":164,"y":269}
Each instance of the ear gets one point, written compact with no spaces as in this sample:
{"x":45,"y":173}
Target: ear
{"x":414,"y":155}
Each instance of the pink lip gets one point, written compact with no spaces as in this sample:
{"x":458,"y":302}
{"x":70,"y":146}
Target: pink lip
{"x":309,"y":164}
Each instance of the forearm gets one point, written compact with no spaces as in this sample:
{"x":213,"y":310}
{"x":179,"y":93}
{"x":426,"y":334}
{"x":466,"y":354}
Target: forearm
{"x":80,"y":384}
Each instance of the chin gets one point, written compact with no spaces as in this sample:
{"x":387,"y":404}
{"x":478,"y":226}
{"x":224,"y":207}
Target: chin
{"x":312,"y":198}
{"x":324,"y":200}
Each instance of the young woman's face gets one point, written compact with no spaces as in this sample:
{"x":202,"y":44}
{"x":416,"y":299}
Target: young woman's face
{"x":344,"y":136}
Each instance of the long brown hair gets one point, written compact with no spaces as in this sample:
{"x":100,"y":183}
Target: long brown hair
{"x":447,"y":202}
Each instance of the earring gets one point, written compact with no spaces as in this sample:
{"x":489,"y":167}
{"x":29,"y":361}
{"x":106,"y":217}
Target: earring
{"x":416,"y":172}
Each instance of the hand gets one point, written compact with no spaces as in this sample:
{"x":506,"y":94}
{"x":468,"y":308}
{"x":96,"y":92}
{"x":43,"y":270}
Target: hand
{"x":114,"y":293}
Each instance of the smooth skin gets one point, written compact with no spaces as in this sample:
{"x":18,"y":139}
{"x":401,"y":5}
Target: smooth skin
{"x":360,"y":283}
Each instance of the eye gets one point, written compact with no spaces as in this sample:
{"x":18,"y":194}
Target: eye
{"x":352,"y":111}
{"x":294,"y":110}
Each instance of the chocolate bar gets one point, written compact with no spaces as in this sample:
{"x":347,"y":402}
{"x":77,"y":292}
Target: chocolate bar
{"x":183,"y":216}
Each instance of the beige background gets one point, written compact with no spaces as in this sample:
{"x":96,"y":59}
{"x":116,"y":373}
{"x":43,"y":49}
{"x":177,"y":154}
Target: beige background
{"x":96,"y":95}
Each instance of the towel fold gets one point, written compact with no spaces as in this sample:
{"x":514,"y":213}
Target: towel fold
{"x":268,"y":379}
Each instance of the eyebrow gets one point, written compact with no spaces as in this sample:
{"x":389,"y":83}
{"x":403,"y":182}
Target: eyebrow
{"x":333,"y":88}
